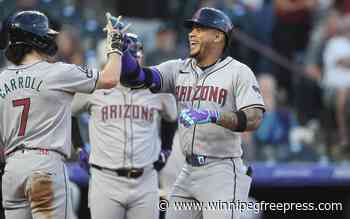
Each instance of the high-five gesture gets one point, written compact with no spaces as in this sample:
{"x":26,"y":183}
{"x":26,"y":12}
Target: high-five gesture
{"x":114,"y":36}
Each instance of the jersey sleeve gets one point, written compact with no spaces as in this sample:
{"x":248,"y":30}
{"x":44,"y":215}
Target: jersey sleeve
{"x":247,"y":91}
{"x":169,"y":108}
{"x":76,"y":78}
{"x":80,"y":103}
{"x":168,"y":71}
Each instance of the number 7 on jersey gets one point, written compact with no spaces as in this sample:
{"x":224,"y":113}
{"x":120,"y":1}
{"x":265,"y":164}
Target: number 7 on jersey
{"x":24,"y":117}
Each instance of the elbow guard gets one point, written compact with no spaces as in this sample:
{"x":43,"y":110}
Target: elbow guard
{"x":151,"y":81}
{"x":132,"y":79}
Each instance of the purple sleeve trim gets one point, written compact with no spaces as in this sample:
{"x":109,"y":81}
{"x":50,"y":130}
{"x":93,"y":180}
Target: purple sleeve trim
{"x":130,"y":64}
{"x":151,"y":77}
{"x":156,"y":80}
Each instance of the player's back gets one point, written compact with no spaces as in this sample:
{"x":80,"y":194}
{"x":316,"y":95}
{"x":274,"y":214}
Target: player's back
{"x":35,"y":106}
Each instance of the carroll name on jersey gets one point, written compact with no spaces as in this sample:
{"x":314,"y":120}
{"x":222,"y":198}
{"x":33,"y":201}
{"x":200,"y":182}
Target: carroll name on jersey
{"x":21,"y":82}
{"x":127,"y":111}
{"x":205,"y":93}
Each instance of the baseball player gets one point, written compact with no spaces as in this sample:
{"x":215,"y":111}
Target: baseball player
{"x":35,"y":114}
{"x":124,"y":130}
{"x":219,"y":98}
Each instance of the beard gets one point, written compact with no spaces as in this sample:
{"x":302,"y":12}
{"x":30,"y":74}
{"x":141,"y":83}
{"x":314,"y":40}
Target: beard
{"x":194,"y":53}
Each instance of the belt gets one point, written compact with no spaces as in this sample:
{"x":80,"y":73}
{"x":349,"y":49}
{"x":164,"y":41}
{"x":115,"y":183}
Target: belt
{"x":197,"y":160}
{"x":123,"y":172}
{"x":43,"y":151}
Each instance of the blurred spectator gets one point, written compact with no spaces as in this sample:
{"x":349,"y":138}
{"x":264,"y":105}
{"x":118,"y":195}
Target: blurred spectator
{"x":2,"y":59}
{"x":309,"y":104}
{"x":290,"y":34}
{"x":346,"y":6}
{"x":243,"y":20}
{"x":69,"y":48}
{"x":336,"y":80}
{"x":27,"y":4}
{"x":272,"y":137}
{"x":302,"y":144}
{"x":264,"y":19}
{"x":8,"y":7}
{"x":320,"y":34}
{"x":166,"y":48}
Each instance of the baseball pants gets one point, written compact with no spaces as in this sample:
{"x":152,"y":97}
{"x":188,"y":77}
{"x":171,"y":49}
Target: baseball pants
{"x":35,"y":186}
{"x":112,"y":196}
{"x":220,"y":183}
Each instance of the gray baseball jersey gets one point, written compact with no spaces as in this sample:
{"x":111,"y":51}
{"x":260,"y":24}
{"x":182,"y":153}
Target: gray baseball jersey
{"x":226,"y":86}
{"x":35,"y":112}
{"x":124,"y":125}
{"x":35,"y":104}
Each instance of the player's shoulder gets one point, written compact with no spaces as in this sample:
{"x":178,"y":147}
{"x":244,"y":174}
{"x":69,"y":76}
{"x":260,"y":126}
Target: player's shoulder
{"x":36,"y":68}
{"x":63,"y":66}
{"x":166,"y":96}
{"x":102,"y":93}
{"x":177,"y":61}
{"x":53,"y":68}
{"x":3,"y":71}
{"x":237,"y":66}
{"x":174,"y":64}
{"x":234,"y":62}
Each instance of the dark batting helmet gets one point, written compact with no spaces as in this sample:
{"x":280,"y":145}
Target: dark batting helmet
{"x":32,"y":28}
{"x":212,"y":18}
{"x":135,"y":46}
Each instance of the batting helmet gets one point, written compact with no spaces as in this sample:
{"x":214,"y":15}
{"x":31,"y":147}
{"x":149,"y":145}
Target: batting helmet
{"x":32,"y":28}
{"x":212,"y":18}
{"x":135,"y":46}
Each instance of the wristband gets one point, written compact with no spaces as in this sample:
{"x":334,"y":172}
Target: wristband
{"x":241,"y":121}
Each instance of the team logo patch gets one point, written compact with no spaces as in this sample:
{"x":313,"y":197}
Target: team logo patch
{"x":86,"y":70}
{"x":256,"y":89}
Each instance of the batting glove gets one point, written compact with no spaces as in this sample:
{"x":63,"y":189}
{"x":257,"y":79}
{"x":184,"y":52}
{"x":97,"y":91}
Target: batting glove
{"x":163,"y":157}
{"x":115,"y":38}
{"x":190,"y":117}
{"x":83,"y":158}
{"x":122,"y":27}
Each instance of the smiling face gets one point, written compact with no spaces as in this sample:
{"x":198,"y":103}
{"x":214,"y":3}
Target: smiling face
{"x":202,"y":40}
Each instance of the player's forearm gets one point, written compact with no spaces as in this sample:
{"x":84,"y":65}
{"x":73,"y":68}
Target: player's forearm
{"x":168,"y":130}
{"x":135,"y":76}
{"x":110,"y":75}
{"x":230,"y":120}
{"x":77,"y":140}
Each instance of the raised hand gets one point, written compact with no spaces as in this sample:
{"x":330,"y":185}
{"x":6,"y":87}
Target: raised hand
{"x":115,"y":38}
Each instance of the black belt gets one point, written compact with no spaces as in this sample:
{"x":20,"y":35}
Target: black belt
{"x":123,"y":172}
{"x":22,"y":148}
{"x":197,"y":160}
{"x":202,"y":160}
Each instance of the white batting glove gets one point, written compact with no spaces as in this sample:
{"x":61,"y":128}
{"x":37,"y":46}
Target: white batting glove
{"x":115,"y":37}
